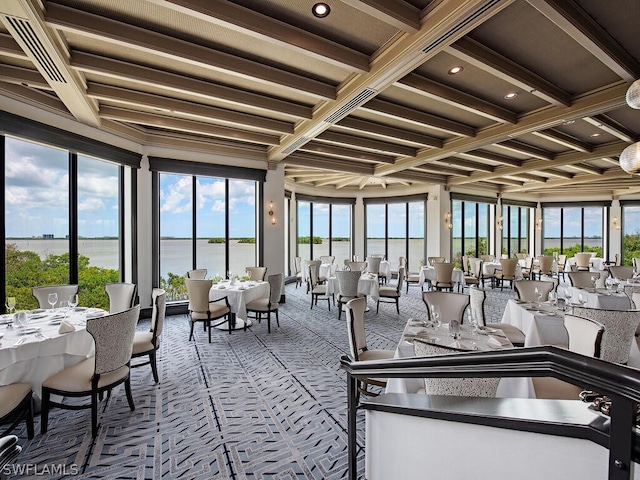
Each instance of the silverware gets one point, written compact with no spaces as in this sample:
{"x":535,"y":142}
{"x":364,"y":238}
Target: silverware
{"x":20,"y":341}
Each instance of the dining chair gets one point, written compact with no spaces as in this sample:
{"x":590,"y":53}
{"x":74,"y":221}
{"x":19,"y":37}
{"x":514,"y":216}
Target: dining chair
{"x":545,"y":266}
{"x":486,"y":258}
{"x":110,"y":366}
{"x":477,"y":298}
{"x":526,"y":289}
{"x":201,"y":309}
{"x":459,"y":387}
{"x":147,"y":343}
{"x":620,"y":327}
{"x":266,"y":305}
{"x":621,"y":272}
{"x":122,"y":296}
{"x":347,"y":287}
{"x":16,"y":404}
{"x":402,"y":262}
{"x":521,"y":256}
{"x":63,"y":291}
{"x":256,"y":274}
{"x":527,"y":270}
{"x":561,"y":262}
{"x":373,"y":264}
{"x":582,"y":260}
{"x":506,"y":272}
{"x":391,"y":294}
{"x":358,"y":347}
{"x":328,"y":258}
{"x":435,"y":260}
{"x":585,"y":338}
{"x":582,"y":279}
{"x":452,"y":305}
{"x":297,"y":266}
{"x":633,"y":293}
{"x":444,"y":272}
{"x":314,"y":286}
{"x":410,"y":278}
{"x":359,"y":266}
{"x":474,"y":273}
{"x":197,"y":274}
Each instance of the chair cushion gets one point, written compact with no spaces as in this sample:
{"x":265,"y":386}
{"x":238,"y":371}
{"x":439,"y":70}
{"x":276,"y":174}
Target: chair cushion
{"x":142,"y":342}
{"x":77,"y":378}
{"x":217,"y":310}
{"x":11,"y":396}
{"x":388,"y":292}
{"x":261,"y":305}
{"x":319,"y":290}
{"x":514,"y":334}
{"x":375,"y":355}
{"x":413,"y":277}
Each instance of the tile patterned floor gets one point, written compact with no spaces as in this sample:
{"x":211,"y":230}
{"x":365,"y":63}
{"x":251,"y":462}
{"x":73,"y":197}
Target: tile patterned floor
{"x":250,"y":405}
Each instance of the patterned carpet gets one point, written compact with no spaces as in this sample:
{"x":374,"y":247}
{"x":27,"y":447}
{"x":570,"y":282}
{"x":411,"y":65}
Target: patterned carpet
{"x":250,"y":405}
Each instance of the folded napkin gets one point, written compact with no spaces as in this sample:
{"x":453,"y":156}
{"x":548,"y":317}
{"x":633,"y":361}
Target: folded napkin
{"x":66,"y":327}
{"x":497,"y":342}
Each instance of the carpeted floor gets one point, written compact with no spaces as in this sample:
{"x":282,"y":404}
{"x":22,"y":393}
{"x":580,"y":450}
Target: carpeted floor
{"x":250,"y":405}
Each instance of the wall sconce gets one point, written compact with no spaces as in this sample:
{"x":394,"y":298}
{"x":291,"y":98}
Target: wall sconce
{"x":499,"y":223}
{"x":615,"y":223}
{"x":270,"y":212}
{"x":539,"y":224}
{"x":447,"y":221}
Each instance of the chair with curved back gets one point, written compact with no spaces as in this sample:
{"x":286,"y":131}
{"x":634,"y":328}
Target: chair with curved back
{"x":506,"y":272}
{"x":452,"y":305}
{"x":358,"y":346}
{"x":460,"y":387}
{"x":256,"y":274}
{"x":373,"y":264}
{"x":585,"y":338}
{"x":63,"y":291}
{"x":147,"y":343}
{"x":545,"y":266}
{"x":582,"y":279}
{"x":347,"y":287}
{"x":582,"y":261}
{"x":266,"y":305}
{"x":621,"y":272}
{"x":527,"y":271}
{"x":314,"y":286}
{"x":633,"y":294}
{"x":110,"y":366}
{"x":122,"y":296}
{"x":635,"y":261}
{"x":477,"y":298}
{"x":297,"y":270}
{"x":435,"y":260}
{"x":201,"y":309}
{"x":521,"y":255}
{"x":526,"y":289}
{"x":197,"y":274}
{"x":16,"y":404}
{"x":327,"y":258}
{"x":474,"y":274}
{"x":391,"y":294}
{"x":359,"y":266}
{"x":444,"y":273}
{"x":620,"y":327}
{"x":562,"y":265}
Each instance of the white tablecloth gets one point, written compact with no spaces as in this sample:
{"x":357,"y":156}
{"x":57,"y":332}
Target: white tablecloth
{"x":508,"y":388}
{"x":540,"y":327}
{"x":325,"y":270}
{"x":601,"y":298}
{"x":385,"y":268}
{"x":38,"y":358}
{"x":239,"y":295}
{"x":429,"y":273}
{"x":367,"y":285}
{"x":595,"y":263}
{"x":489,"y":268}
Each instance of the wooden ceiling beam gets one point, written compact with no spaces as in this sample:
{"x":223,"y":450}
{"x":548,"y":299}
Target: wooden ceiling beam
{"x":441,"y":169}
{"x":607,"y":124}
{"x":579,"y":25}
{"x":493,"y":157}
{"x":583,"y":167}
{"x":525,"y":149}
{"x":499,"y":66}
{"x":574,"y":182}
{"x":134,"y":37}
{"x":387,"y":132}
{"x":459,"y":162}
{"x":450,"y":96}
{"x":346,"y":153}
{"x":335,"y":164}
{"x":10,"y":48}
{"x":26,"y":77}
{"x":563,"y":139}
{"x":555,"y":172}
{"x":369,"y":144}
{"x":396,"y":13}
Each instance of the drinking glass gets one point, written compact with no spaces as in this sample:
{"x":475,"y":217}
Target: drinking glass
{"x":73,"y":302}
{"x":568,"y":293}
{"x":53,"y":299}
{"x":435,"y":316}
{"x":608,"y":283}
{"x":472,"y":322}
{"x":553,"y":298}
{"x":594,"y":281}
{"x":10,"y":303}
{"x":21,"y":319}
{"x":582,"y":299}
{"x":64,"y":306}
{"x":454,"y":329}
{"x":538,"y":293}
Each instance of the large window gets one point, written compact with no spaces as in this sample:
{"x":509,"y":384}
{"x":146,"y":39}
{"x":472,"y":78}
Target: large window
{"x":396,"y":229}
{"x":62,"y":222}
{"x":324,"y":227}
{"x":515,"y":229}
{"x":470,"y":235}
{"x":630,"y":232}
{"x":569,"y":229}
{"x":205,"y":222}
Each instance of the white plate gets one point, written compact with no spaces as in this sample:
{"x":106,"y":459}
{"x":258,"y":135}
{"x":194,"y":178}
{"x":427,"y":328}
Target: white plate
{"x":55,"y":321}
{"x":221,"y":287}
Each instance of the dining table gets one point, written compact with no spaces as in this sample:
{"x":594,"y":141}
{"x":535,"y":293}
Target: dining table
{"x":238,"y":293}
{"x":480,"y":339}
{"x":368,"y":286}
{"x":32,"y":353}
{"x":602,"y":298}
{"x":428,"y":274}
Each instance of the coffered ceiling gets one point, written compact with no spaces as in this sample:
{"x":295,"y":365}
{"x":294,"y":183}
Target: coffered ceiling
{"x":360,"y":99}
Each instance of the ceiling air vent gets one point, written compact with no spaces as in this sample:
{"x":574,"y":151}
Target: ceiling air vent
{"x":350,"y":105}
{"x":38,"y":51}
{"x":294,"y":146}
{"x":461,"y":25}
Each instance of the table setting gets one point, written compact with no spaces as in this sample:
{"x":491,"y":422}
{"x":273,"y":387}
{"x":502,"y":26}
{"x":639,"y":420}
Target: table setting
{"x":239,"y":293}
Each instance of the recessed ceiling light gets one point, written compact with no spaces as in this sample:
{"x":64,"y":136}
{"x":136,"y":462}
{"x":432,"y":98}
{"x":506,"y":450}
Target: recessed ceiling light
{"x":568,"y":122}
{"x":597,"y":134}
{"x":321,"y":10}
{"x":454,"y":70}
{"x":511,"y":95}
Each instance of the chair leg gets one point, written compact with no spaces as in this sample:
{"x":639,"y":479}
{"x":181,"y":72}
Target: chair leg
{"x":94,"y":414}
{"x":398,"y":305}
{"x":377,"y":306}
{"x":191,"y":333}
{"x":269,"y":321}
{"x":44,"y":410}
{"x":154,"y":366}
{"x":277,"y":318}
{"x":127,"y":389}
{"x":29,"y":418}
{"x":208,"y":323}
{"x":339,"y":309}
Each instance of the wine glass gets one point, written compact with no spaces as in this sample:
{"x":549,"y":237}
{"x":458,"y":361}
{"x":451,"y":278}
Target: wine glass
{"x":435,"y":316}
{"x":64,"y":306}
{"x":538,"y":293}
{"x":10,"y":303}
{"x":608,"y":283}
{"x":21,"y":319}
{"x":568,"y":293}
{"x":73,"y":302}
{"x":553,"y":298}
{"x":52,"y":299}
{"x":582,"y":299}
{"x":594,"y":281}
{"x":473,"y":323}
